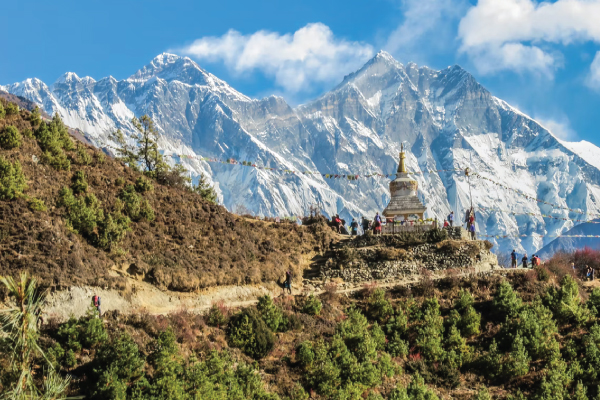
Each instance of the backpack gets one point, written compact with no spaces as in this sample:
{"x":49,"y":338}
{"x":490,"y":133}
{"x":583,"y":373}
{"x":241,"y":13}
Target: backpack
{"x":96,"y":300}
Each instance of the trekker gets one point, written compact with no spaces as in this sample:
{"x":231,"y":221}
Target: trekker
{"x":467,"y":218}
{"x":513,"y":259}
{"x":446,"y":224}
{"x":354,"y":227}
{"x":96,"y":303}
{"x":337,"y":223}
{"x":451,"y":218}
{"x":472,"y":230}
{"x":589,"y":273}
{"x":377,"y":225}
{"x":365,"y":225}
{"x":288,"y":282}
{"x":524,"y":261}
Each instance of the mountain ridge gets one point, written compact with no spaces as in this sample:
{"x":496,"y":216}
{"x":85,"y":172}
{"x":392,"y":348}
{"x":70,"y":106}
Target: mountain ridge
{"x":446,"y":118}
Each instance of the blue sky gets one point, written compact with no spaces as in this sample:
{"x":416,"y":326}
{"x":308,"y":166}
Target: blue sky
{"x":543,"y":58}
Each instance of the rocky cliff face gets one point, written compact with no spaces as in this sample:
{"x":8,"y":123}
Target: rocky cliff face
{"x":447,"y":120}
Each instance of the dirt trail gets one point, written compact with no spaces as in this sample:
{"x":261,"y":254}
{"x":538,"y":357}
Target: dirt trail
{"x":146,"y":297}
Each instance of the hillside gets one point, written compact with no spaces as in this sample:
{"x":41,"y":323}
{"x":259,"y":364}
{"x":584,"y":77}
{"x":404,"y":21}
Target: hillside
{"x":446,"y":119}
{"x":512,"y":335}
{"x":187,"y":243}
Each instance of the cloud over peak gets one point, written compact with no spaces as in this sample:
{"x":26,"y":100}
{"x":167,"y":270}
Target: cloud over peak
{"x":298,"y":62}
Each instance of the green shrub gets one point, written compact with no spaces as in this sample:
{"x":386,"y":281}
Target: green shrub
{"x":470,"y":322}
{"x":100,"y":158}
{"x":146,"y":211}
{"x":36,"y":204}
{"x":83,"y":213}
{"x":593,"y":302}
{"x":464,"y":301}
{"x":11,"y":108}
{"x":457,"y":350}
{"x":70,"y":360}
{"x":12,"y":180}
{"x":215,"y":316}
{"x":591,"y":351}
{"x":35,"y":117}
{"x":28,"y":133}
{"x":506,"y":302}
{"x":143,"y":185}
{"x":517,"y":363}
{"x":305,"y":354}
{"x":134,"y":206}
{"x":417,"y":389}
{"x":79,"y":183}
{"x":269,"y":312}
{"x":555,"y":383}
{"x":537,"y":328}
{"x":53,"y":139}
{"x":397,"y":346}
{"x":566,"y":302}
{"x":83,"y":157}
{"x":10,"y":137}
{"x":119,"y":181}
{"x":430,"y":331}
{"x":378,"y":307}
{"x":58,"y":161}
{"x":117,"y":364}
{"x":482,"y":394}
{"x":2,"y":111}
{"x":112,"y":229}
{"x":248,"y":331}
{"x":85,"y":332}
{"x":312,"y":305}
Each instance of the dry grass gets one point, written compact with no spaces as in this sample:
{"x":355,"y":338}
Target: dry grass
{"x":190,"y":245}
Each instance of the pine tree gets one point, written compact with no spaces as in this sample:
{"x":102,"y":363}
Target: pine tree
{"x":147,"y":139}
{"x":10,"y":137}
{"x":205,"y":190}
{"x":125,"y":152}
{"x":12,"y":180}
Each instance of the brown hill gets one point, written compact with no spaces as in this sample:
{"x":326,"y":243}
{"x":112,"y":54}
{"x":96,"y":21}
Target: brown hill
{"x":189,"y":244}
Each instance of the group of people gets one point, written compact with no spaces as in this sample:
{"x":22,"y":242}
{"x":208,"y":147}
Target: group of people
{"x":339,"y":225}
{"x":535,"y":260}
{"x":586,"y":273}
{"x":469,"y":221}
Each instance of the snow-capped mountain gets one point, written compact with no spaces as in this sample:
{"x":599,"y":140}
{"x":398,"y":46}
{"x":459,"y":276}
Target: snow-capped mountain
{"x":445,"y":118}
{"x":571,"y":242}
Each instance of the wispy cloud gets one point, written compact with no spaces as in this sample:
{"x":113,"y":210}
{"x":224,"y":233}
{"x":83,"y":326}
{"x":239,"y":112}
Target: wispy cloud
{"x":513,"y":34}
{"x":428,"y":26}
{"x":559,"y":127}
{"x":593,"y":79}
{"x":298,"y":62}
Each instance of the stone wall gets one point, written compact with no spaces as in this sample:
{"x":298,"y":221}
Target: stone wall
{"x":386,"y":263}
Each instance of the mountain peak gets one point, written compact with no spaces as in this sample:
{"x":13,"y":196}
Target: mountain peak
{"x":68,"y":77}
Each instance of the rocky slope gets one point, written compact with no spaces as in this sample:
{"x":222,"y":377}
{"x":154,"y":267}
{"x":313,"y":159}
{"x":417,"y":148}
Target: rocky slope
{"x":446,"y":119}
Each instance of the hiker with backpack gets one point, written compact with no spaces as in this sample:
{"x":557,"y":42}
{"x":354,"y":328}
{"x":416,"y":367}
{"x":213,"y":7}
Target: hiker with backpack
{"x":513,"y":259}
{"x":377,"y":225}
{"x":365,"y":225}
{"x":451,"y":219}
{"x":96,"y":303}
{"x":354,"y":227}
{"x":288,"y":282}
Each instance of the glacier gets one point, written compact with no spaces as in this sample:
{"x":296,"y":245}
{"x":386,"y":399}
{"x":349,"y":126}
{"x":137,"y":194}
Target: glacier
{"x":445,"y":118}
